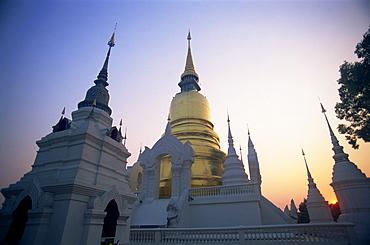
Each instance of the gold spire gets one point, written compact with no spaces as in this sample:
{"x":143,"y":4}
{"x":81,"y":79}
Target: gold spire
{"x":111,"y":40}
{"x":189,"y":66}
{"x":64,"y":111}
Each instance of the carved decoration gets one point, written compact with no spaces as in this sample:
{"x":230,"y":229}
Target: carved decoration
{"x":100,"y":202}
{"x":40,"y":199}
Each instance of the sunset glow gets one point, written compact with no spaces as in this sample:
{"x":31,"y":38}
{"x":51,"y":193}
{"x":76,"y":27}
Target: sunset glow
{"x":333,"y":202}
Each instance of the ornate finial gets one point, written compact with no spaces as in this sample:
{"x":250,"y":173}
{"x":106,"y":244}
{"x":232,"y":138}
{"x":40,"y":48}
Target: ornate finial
{"x":322,"y":107}
{"x":231,"y":141}
{"x":141,"y":148}
{"x":334,"y":138}
{"x":94,"y":102}
{"x":99,"y":93}
{"x":248,"y":130}
{"x":63,"y":111}
{"x":125,"y":137}
{"x":111,"y":41}
{"x":189,"y":78}
{"x":120,"y":125}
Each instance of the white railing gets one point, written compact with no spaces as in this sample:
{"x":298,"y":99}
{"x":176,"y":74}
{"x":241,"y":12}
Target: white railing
{"x":222,"y":190}
{"x":331,"y":233}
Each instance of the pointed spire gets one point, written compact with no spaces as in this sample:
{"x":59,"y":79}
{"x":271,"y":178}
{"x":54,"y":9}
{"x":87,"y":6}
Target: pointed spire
{"x":334,"y":138}
{"x":168,"y":127}
{"x":343,"y":168}
{"x":234,"y":169}
{"x":250,"y":143}
{"x":231,"y":150}
{"x":317,"y":207}
{"x":304,"y":157}
{"x":111,"y":41}
{"x":338,"y":150}
{"x":63,"y":111}
{"x":98,"y":92}
{"x":189,"y":66}
{"x":103,"y":74}
{"x":311,"y":183}
{"x":125,"y":137}
{"x":120,"y":125}
{"x":254,"y":167}
{"x":189,"y":78}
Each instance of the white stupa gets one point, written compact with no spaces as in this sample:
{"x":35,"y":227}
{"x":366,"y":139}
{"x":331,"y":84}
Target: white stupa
{"x":352,"y":189}
{"x":318,"y":208}
{"x":234,"y":169}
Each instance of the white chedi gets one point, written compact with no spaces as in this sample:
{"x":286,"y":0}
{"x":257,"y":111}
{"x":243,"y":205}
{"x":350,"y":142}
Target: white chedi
{"x":234,"y":169}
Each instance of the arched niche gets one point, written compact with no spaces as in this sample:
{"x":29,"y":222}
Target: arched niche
{"x":182,"y":157}
{"x":103,"y":213}
{"x":19,"y":221}
{"x":110,"y":220}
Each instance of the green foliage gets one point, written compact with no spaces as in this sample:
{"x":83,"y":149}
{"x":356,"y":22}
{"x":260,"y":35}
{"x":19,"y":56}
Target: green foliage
{"x":354,"y":94}
{"x":303,"y":216}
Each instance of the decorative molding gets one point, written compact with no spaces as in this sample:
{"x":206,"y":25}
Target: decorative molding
{"x":40,"y":199}
{"x":99,"y":203}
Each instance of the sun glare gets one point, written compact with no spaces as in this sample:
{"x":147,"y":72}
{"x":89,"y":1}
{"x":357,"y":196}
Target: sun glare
{"x":333,"y":202}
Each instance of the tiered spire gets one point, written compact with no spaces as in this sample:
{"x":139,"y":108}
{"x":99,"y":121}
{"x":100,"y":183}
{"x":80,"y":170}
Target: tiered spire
{"x":311,"y":183}
{"x":234,"y":169}
{"x":99,"y":93}
{"x":103,"y":74}
{"x":254,"y":168}
{"x":189,"y":78}
{"x":343,"y":168}
{"x":231,"y":149}
{"x":317,"y":207}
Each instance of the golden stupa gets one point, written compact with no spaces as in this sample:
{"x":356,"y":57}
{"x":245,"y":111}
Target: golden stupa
{"x":191,"y":121}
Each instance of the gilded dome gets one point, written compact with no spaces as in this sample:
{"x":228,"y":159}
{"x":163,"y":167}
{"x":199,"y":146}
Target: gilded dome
{"x":191,"y":104}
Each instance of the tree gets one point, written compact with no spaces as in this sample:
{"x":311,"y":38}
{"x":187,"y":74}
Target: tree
{"x":303,"y":216}
{"x":354,"y":92}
